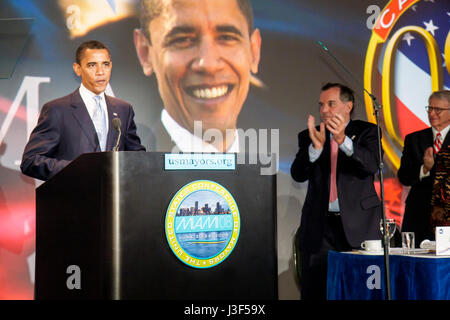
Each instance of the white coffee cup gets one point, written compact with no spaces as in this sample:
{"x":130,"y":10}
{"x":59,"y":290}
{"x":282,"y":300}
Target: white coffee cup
{"x":372,"y":245}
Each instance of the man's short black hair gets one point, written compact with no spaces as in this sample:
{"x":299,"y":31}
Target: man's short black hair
{"x":150,"y":9}
{"x":91,"y":44}
{"x":346,"y":94}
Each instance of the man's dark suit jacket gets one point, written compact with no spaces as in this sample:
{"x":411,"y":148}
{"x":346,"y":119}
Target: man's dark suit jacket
{"x":65,"y":130}
{"x":358,"y":201}
{"x":418,"y":203}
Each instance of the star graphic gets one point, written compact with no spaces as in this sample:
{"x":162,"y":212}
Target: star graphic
{"x":408,"y":37}
{"x":112,"y":4}
{"x":414,"y":7}
{"x":430,"y":27}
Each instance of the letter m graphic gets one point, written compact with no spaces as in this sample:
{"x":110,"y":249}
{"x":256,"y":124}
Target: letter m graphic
{"x":30,"y":89}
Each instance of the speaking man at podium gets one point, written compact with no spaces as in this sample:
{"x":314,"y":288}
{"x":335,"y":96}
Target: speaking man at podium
{"x":339,"y":159}
{"x":81,"y":122}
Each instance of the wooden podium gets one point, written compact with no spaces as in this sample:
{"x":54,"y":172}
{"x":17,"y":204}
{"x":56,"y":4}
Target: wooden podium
{"x":100,"y":223}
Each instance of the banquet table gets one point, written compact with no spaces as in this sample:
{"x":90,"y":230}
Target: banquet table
{"x":359,"y":276}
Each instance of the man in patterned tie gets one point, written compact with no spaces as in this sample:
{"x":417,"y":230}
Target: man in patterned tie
{"x":417,"y":165}
{"x":339,"y":159}
{"x":79,"y":122}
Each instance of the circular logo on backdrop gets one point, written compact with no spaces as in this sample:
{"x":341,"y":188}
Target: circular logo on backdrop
{"x":202,"y":224}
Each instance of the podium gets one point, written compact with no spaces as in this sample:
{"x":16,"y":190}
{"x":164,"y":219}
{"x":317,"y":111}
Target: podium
{"x":100,"y":232}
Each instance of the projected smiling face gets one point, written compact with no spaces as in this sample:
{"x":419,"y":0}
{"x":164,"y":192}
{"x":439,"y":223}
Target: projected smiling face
{"x":203,"y":55}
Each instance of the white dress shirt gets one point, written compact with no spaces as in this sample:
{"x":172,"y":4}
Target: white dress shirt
{"x":314,"y":154}
{"x":187,"y":142}
{"x":91,"y":104}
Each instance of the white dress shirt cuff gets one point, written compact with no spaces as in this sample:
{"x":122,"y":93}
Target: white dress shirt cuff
{"x":423,"y":175}
{"x":314,"y":154}
{"x":347,"y":146}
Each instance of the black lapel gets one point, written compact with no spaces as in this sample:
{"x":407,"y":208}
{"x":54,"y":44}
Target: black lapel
{"x":446,"y":142}
{"x":349,"y":129}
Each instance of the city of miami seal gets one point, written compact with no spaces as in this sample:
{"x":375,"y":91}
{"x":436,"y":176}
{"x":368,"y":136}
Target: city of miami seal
{"x":202,"y":224}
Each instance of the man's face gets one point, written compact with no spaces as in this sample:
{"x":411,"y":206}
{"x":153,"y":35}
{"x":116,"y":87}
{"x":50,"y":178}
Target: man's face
{"x":202,"y":55}
{"x":330,"y":104}
{"x":94,"y":69}
{"x":442,"y":119}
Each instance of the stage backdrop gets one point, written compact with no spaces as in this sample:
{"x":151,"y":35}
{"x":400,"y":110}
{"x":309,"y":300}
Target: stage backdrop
{"x":38,"y":39}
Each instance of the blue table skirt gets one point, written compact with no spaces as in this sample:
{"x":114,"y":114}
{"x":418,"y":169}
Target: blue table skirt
{"x":361,"y":277}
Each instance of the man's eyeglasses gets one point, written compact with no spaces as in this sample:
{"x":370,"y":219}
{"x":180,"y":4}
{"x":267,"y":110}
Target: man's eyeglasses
{"x":436,"y":110}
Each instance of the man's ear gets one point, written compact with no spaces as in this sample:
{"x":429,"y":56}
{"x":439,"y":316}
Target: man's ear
{"x":77,"y":69}
{"x":142,"y":46}
{"x":349,"y":107}
{"x":255,"y":46}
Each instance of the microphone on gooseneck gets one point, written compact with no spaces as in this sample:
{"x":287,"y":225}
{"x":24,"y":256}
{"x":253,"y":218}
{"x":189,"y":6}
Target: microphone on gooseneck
{"x":376,"y":104}
{"x":117,"y":124}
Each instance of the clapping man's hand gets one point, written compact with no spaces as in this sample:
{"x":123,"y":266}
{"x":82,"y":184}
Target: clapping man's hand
{"x":317,"y":137}
{"x":336,"y":125}
{"x":428,"y":160}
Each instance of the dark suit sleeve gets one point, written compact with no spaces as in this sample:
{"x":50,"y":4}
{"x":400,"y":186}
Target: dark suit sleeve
{"x":38,"y":159}
{"x":365,"y":158}
{"x":409,"y":171}
{"x":132,"y":140}
{"x":301,"y":167}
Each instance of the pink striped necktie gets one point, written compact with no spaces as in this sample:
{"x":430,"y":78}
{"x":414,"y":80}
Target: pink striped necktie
{"x":333,"y":187}
{"x":437,"y":143}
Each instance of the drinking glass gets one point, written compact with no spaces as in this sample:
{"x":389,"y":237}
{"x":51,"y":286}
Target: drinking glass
{"x":408,"y":244}
{"x":391,"y":227}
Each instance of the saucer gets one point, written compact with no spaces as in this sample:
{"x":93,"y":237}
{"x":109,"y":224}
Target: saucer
{"x":371,"y":252}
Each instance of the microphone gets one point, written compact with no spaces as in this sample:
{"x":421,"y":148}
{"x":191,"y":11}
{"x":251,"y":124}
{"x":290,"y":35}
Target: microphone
{"x":117,"y":124}
{"x":377,"y":105}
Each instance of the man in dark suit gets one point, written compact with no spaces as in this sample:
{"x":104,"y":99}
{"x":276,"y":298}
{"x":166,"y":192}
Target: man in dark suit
{"x":81,"y":121}
{"x":341,"y":208}
{"x":417,"y":165}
